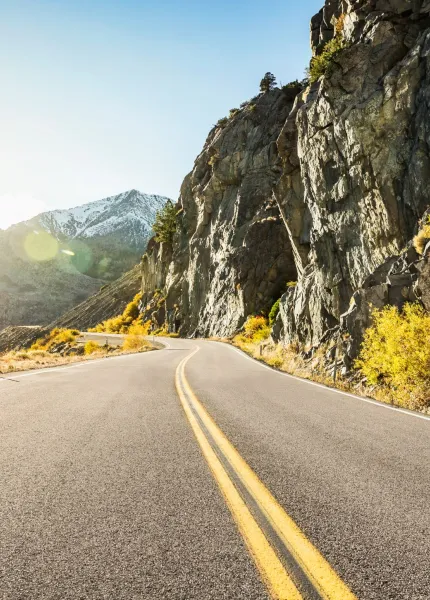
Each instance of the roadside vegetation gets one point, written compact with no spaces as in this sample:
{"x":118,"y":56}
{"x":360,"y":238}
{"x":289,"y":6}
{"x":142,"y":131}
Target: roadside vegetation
{"x":393,"y":365}
{"x":395,"y":356}
{"x":121,"y":323}
{"x":62,"y":346}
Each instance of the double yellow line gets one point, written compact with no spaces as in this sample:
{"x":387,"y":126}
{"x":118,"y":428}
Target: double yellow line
{"x":291,"y":567}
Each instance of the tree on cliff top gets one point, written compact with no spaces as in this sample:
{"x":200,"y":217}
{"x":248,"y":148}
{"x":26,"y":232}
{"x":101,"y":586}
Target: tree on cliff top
{"x":165,"y":223}
{"x":268,"y":82}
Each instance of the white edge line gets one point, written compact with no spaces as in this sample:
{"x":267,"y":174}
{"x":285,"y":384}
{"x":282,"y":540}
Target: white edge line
{"x":325,"y":387}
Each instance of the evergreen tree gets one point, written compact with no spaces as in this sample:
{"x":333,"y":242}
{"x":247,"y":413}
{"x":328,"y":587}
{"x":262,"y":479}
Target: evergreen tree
{"x":268,"y":82}
{"x":165,"y":223}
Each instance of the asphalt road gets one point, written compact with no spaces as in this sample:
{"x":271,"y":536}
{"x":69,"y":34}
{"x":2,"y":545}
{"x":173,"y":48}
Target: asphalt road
{"x":113,"y":339}
{"x":117,"y":484}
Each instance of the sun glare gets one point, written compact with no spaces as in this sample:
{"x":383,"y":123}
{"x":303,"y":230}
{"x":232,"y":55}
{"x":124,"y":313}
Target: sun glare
{"x":40,"y":246}
{"x":18,"y":207}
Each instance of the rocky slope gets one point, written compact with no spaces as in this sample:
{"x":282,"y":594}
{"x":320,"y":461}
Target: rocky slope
{"x":324,"y":185}
{"x":109,"y":302}
{"x":56,"y":260}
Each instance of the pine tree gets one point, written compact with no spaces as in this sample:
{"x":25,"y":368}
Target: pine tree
{"x":165,"y":223}
{"x":268,"y":82}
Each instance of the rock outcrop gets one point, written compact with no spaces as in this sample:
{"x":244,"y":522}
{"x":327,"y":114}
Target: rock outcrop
{"x":231,"y":255}
{"x":323,"y":184}
{"x":356,"y":162}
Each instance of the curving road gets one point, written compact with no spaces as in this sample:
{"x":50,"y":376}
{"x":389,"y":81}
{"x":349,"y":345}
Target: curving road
{"x":195,"y":472}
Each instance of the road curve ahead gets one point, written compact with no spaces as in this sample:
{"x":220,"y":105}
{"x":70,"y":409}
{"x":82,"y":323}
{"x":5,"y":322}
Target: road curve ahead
{"x":195,"y":472}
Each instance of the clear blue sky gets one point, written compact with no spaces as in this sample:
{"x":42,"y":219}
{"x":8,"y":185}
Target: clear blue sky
{"x":102,"y":96}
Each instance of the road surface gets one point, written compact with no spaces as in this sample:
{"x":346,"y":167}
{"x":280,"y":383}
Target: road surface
{"x":113,"y":339}
{"x":195,"y":472}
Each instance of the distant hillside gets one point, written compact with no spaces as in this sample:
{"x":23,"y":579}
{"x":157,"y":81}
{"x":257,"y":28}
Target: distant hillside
{"x":109,"y":302}
{"x":58,"y":259}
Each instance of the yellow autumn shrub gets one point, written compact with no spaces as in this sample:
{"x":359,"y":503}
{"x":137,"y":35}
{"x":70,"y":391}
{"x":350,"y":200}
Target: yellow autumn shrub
{"x":395,"y":355}
{"x":91,"y":347}
{"x":135,"y":338}
{"x":121,"y":323}
{"x":422,"y":238}
{"x":56,"y":336}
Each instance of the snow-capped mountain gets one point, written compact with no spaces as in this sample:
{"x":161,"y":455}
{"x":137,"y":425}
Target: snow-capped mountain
{"x":97,"y":243}
{"x":130,"y":214}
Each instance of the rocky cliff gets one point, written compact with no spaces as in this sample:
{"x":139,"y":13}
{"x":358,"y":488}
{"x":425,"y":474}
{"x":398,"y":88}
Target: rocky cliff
{"x":321,"y":184}
{"x":231,"y":254}
{"x":355,"y":151}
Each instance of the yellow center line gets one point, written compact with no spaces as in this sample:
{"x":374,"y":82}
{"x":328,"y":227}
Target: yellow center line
{"x":319,"y":572}
{"x":277,"y":580}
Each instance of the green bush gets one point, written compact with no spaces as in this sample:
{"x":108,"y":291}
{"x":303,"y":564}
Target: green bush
{"x":165,"y":223}
{"x":274,"y":312}
{"x":321,"y":65}
{"x":222,"y":122}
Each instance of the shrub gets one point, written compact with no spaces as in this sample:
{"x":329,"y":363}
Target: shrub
{"x":121,"y":323}
{"x":213,"y":159}
{"x":274,"y":312}
{"x":256,"y":328}
{"x":396,"y":354}
{"x":164,"y":226}
{"x":135,"y":338}
{"x":56,"y":336}
{"x":91,"y":347}
{"x":233,"y":112}
{"x":322,"y":63}
{"x":291,"y":284}
{"x":268,"y":82}
{"x":422,"y":238}
{"x":222,"y":122}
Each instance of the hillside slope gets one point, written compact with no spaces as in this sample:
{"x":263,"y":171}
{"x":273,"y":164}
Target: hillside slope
{"x":108,"y":302}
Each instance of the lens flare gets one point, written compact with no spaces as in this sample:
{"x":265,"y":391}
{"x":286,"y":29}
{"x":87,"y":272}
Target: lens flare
{"x":82,"y":257}
{"x":40,"y":246}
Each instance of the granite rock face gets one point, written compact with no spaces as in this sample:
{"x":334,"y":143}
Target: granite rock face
{"x":356,"y":160}
{"x":322,"y":184}
{"x":231,"y":255}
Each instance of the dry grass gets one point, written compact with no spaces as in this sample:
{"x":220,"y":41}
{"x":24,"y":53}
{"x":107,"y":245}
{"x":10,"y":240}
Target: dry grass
{"x":135,"y":338}
{"x":29,"y":360}
{"x":290,"y":360}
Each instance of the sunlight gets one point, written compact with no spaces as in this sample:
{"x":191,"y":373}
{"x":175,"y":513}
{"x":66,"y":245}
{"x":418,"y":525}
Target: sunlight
{"x":18,"y":207}
{"x":40,"y":246}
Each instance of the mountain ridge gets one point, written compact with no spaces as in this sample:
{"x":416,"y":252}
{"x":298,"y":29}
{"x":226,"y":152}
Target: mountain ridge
{"x":89,"y":245}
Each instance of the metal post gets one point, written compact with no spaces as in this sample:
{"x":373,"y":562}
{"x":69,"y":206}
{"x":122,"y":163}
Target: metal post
{"x":335,"y":358}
